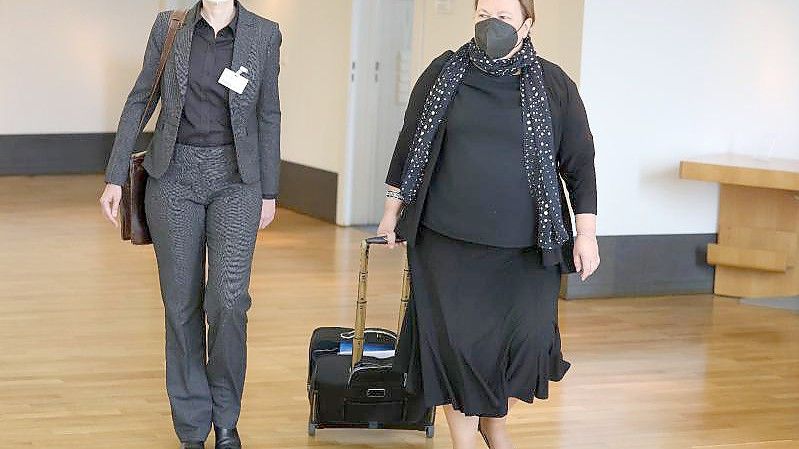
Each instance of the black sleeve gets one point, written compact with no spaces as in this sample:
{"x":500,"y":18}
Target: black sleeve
{"x":415,"y":106}
{"x":576,"y":155}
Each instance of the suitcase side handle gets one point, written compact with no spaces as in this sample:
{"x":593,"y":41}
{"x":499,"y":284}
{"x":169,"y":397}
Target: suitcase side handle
{"x":360,"y":310}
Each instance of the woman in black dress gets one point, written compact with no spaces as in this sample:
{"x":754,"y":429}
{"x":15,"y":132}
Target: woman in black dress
{"x":475,"y":188}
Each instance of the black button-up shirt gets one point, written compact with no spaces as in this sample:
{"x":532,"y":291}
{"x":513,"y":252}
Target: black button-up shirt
{"x":206,"y":113}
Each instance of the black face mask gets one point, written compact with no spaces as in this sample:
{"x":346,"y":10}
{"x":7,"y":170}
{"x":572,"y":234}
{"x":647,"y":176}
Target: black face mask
{"x":496,"y":37}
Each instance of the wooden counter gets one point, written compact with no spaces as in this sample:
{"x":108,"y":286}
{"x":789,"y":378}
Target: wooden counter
{"x":758,"y":226}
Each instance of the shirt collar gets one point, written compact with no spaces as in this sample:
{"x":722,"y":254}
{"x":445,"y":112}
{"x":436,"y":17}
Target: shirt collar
{"x":233,"y":23}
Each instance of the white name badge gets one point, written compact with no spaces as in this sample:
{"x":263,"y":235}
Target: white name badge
{"x":234,"y":80}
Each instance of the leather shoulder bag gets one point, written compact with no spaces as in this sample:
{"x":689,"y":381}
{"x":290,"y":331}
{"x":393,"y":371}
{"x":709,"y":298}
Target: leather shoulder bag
{"x":134,"y":222}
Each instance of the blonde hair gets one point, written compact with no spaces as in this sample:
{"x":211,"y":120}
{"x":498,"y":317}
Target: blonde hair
{"x":528,"y":6}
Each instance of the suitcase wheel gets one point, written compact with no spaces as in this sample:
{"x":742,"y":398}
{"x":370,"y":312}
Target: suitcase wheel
{"x":311,"y":429}
{"x":429,"y":431}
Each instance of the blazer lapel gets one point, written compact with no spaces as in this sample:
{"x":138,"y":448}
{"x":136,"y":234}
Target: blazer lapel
{"x":245,"y":32}
{"x":183,"y":50}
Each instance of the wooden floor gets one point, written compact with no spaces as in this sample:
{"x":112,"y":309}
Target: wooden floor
{"x":81,"y":330}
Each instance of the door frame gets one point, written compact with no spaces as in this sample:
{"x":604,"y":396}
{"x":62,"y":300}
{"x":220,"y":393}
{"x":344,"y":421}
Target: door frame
{"x":359,"y":155}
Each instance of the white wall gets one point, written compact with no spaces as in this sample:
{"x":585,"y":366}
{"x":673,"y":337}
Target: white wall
{"x":67,"y":67}
{"x":664,"y":81}
{"x":314,"y":79}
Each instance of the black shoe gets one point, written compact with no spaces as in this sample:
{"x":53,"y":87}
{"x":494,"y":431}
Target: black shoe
{"x":200,"y":445}
{"x":227,"y":438}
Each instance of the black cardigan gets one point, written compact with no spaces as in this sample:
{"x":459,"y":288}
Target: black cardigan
{"x":573,"y":140}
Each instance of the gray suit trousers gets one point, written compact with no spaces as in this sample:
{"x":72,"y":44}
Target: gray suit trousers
{"x":201,"y":204}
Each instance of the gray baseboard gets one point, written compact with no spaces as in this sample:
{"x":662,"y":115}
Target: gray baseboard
{"x":647,"y":265}
{"x":307,"y":190}
{"x":51,"y":154}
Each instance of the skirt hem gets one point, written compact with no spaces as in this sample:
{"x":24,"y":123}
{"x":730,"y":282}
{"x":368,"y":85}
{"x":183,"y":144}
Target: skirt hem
{"x":556,"y":372}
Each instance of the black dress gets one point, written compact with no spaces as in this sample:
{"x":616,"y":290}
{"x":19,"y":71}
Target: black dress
{"x":481,"y":325}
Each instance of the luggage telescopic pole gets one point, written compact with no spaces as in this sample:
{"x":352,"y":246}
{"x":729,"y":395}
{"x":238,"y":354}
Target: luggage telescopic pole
{"x":360,"y":311}
{"x":406,"y":293}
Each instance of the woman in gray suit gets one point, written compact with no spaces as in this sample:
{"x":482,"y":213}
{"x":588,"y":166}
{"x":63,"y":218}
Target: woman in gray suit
{"x":213,"y":180}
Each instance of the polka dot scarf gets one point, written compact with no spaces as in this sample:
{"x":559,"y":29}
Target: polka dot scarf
{"x":538,"y":147}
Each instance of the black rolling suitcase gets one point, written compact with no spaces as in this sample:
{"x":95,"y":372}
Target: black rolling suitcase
{"x":353,"y":390}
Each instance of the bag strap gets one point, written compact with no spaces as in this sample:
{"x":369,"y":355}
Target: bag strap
{"x":176,"y":20}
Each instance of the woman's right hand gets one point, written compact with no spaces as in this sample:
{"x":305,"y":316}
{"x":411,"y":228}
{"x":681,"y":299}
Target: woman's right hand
{"x":109,"y":202}
{"x":386,"y":229}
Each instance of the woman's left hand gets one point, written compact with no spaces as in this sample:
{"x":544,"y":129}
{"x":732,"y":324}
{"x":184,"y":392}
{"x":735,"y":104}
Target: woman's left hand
{"x":586,"y":255}
{"x":268,"y":210}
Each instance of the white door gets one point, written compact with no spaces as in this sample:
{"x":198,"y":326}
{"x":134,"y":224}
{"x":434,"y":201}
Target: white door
{"x":382,"y":38}
{"x":393,"y":66}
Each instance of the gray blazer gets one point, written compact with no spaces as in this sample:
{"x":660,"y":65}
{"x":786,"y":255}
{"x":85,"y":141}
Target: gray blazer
{"x":255,"y":114}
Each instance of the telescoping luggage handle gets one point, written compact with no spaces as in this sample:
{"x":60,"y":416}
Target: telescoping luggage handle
{"x":360,"y":311}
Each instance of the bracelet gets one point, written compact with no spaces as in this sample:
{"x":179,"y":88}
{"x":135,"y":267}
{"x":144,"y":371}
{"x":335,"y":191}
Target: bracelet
{"x":394,"y":194}
{"x":586,"y":234}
